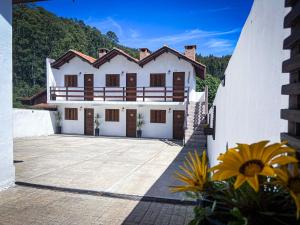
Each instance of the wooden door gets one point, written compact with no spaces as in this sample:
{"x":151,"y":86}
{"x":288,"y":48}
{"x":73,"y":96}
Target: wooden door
{"x":178,"y":124}
{"x":131,"y":122}
{"x":89,"y":121}
{"x":178,"y":86}
{"x":88,"y":87}
{"x":131,"y":87}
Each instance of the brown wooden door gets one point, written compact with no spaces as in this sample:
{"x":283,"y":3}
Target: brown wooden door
{"x":88,"y":87}
{"x":178,"y":86}
{"x":89,"y":121}
{"x":131,"y":122}
{"x":131,"y":87}
{"x":178,"y":124}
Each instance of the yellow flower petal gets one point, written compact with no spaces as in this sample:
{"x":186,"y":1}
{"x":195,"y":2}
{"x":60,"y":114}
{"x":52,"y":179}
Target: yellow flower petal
{"x":253,"y":182}
{"x":283,"y":160}
{"x":267,"y":171}
{"x":282,"y":174}
{"x":240,"y":179}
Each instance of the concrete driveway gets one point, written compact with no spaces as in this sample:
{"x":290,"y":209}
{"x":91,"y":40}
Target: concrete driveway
{"x":142,"y":167}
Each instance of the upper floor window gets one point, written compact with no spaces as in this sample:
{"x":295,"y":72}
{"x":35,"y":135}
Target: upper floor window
{"x":70,"y":80}
{"x":71,"y":114}
{"x":157,"y":80}
{"x":112,"y":80}
{"x":112,"y":115}
{"x":157,"y":116}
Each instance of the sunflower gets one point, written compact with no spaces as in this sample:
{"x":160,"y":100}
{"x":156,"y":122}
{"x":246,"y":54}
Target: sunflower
{"x":246,"y":162}
{"x":291,"y":181}
{"x":194,"y":174}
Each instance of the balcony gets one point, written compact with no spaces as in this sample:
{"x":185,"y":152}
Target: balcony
{"x":139,"y":94}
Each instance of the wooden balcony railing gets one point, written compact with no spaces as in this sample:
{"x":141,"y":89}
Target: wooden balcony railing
{"x":175,"y":94}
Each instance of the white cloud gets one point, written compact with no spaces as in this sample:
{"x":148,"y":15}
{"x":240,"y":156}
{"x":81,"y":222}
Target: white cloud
{"x":213,"y":42}
{"x":210,"y":40}
{"x":108,"y":24}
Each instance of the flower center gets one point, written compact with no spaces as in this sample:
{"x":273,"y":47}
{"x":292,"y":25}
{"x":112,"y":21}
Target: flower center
{"x":251,"y":168}
{"x":294,"y":185}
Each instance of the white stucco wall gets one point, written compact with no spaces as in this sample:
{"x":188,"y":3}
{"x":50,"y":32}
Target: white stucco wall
{"x":248,"y":107}
{"x":107,"y":128}
{"x":7,"y":171}
{"x":30,"y":123}
{"x":166,"y":63}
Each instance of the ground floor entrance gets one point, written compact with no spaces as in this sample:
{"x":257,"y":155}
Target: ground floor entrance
{"x":178,"y":124}
{"x":130,"y":122}
{"x":158,"y":121}
{"x":89,"y":121}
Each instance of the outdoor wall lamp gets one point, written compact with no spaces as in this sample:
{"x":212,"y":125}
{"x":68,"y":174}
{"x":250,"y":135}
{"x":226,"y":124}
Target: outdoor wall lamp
{"x":169,"y":72}
{"x":80,"y":108}
{"x":123,"y":109}
{"x":122,"y":73}
{"x":169,"y":110}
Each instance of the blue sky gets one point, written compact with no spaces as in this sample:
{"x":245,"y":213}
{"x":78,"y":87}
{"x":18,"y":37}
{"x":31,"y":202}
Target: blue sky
{"x":213,"y":25}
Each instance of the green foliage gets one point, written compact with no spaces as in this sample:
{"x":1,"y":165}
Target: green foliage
{"x":97,"y":120}
{"x":112,"y":36}
{"x":38,"y":34}
{"x":212,"y":82}
{"x":140,"y":121}
{"x":214,"y":65}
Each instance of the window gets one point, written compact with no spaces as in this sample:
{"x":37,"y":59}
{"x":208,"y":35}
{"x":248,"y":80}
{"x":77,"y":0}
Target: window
{"x":71,"y":114}
{"x":112,"y":80}
{"x":70,"y":80}
{"x":157,"y":80}
{"x":157,"y":116}
{"x":112,"y":115}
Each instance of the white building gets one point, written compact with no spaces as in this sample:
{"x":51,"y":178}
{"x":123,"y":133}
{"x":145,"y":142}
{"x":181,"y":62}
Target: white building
{"x":7,"y":170}
{"x":158,"y":86}
{"x":248,"y":103}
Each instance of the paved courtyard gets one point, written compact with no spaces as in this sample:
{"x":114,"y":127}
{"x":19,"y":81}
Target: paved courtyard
{"x":73,"y":172}
{"x":142,"y":167}
{"x":30,"y":206}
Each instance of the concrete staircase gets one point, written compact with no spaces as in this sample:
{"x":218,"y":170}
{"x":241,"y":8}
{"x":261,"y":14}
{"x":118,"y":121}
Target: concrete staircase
{"x":194,"y":134}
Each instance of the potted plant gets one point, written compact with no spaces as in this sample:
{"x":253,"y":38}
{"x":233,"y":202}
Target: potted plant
{"x":97,"y":124}
{"x":139,"y":124}
{"x":58,"y":118}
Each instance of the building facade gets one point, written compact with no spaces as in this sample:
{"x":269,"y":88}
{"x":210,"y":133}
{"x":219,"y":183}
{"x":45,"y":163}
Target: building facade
{"x":121,"y":90}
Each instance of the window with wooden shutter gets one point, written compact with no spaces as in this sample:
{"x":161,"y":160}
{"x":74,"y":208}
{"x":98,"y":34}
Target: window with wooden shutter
{"x":71,"y":114}
{"x":71,"y":81}
{"x":157,"y":80}
{"x":157,"y":116}
{"x":112,"y":115}
{"x":112,"y":80}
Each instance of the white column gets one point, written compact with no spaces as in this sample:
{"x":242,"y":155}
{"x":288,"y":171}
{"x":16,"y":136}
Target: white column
{"x":7,"y":170}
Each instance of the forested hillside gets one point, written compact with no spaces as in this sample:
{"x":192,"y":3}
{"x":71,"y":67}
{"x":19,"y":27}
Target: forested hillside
{"x":214,"y":65}
{"x":38,"y":34}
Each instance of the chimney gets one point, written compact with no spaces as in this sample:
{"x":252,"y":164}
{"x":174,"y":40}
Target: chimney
{"x":144,"y":52}
{"x":102,"y":52}
{"x":190,"y":51}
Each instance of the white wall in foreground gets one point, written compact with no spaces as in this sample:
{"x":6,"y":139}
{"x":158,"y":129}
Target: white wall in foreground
{"x":248,"y":107}
{"x":29,"y":123}
{"x":7,"y":170}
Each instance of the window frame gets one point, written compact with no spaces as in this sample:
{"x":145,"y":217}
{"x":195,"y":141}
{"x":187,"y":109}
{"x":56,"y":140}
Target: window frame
{"x":71,"y":114}
{"x":69,"y":82}
{"x":154,"y":80}
{"x":112,"y":115}
{"x":158,"y":116}
{"x":109,"y":82}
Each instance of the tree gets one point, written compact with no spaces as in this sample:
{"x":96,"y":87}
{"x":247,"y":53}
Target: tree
{"x":112,"y":36}
{"x":212,"y":83}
